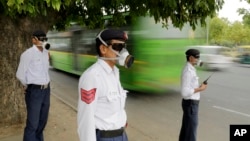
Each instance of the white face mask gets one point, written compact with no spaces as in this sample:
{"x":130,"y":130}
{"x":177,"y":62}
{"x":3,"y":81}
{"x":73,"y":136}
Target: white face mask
{"x":199,"y":63}
{"x":46,"y":45}
{"x":123,"y":59}
{"x":43,"y":43}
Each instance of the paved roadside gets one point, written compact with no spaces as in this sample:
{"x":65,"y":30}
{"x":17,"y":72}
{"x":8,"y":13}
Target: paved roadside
{"x":61,"y":125}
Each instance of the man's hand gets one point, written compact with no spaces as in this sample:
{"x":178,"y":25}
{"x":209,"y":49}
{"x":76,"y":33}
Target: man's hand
{"x":24,"y":89}
{"x":203,"y":86}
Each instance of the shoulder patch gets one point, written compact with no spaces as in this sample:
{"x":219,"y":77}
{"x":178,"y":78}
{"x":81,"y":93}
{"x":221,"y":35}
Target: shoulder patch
{"x":88,"y":96}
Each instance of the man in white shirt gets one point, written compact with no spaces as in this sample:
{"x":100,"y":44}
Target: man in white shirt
{"x":101,"y":105}
{"x":33,"y":73}
{"x":190,"y":91}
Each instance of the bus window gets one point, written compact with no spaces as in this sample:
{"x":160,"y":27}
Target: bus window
{"x":62,"y":44}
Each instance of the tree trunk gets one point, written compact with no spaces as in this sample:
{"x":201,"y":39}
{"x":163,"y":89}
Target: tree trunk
{"x":15,"y":37}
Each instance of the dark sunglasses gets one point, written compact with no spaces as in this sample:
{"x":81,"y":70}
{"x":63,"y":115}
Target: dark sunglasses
{"x":118,"y":46}
{"x":197,"y":56}
{"x":41,"y":38}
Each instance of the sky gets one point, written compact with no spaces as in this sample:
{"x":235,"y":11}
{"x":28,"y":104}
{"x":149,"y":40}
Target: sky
{"x":229,"y":9}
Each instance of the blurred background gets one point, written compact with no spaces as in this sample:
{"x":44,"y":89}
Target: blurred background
{"x":159,"y":52}
{"x":154,"y":100}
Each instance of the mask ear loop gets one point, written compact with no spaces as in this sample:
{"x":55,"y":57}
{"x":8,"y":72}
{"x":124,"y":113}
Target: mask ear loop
{"x":35,"y":38}
{"x":100,"y":38}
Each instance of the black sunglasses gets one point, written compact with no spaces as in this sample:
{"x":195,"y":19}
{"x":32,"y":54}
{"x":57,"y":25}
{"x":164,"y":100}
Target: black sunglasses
{"x":118,"y":46}
{"x":197,"y":56}
{"x":41,"y":38}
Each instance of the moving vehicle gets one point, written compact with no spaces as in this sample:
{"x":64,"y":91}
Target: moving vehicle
{"x":214,"y":57}
{"x":244,"y":54}
{"x":159,"y":54}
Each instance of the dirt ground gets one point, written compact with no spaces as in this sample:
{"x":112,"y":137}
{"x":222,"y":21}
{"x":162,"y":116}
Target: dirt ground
{"x":61,"y":126}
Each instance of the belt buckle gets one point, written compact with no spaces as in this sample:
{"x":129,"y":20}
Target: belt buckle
{"x":44,"y":86}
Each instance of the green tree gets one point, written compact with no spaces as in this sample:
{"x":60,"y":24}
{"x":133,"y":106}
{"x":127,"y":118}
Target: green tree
{"x":246,"y":21}
{"x":19,"y":18}
{"x":222,"y":32}
{"x":217,"y":30}
{"x":237,"y":33}
{"x":246,"y":14}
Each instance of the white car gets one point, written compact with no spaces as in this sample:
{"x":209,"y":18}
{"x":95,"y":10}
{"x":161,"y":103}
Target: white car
{"x":213,"y":57}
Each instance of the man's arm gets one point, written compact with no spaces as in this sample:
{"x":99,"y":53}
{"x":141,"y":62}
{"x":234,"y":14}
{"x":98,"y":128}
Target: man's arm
{"x":186,"y":89}
{"x":86,"y":108}
{"x":201,"y":88}
{"x":23,"y":67}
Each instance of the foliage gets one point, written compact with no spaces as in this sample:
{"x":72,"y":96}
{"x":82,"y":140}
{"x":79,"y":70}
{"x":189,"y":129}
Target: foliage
{"x":231,"y":34}
{"x":222,"y":32}
{"x":19,"y":18}
{"x":217,"y":29}
{"x":89,"y":12}
{"x":237,"y":33}
{"x":246,"y":14}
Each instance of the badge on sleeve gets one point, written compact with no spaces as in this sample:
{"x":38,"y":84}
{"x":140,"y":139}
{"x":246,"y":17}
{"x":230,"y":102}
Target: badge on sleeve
{"x":88,"y":96}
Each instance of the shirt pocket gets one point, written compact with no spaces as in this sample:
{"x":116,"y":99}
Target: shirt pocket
{"x":113,"y":100}
{"x":113,"y":96}
{"x":195,"y":82}
{"x":37,"y":64}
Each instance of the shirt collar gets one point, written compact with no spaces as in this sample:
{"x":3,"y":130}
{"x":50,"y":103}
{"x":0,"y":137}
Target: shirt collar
{"x":106,"y":67}
{"x":190,"y":66}
{"x":36,"y":49}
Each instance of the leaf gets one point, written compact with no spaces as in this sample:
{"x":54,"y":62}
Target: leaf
{"x":19,"y":2}
{"x":31,"y":8}
{"x":10,"y":3}
{"x":56,"y":4}
{"x":48,"y":1}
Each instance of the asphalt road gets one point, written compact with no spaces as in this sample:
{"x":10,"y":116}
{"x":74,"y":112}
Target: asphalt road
{"x":158,"y":117}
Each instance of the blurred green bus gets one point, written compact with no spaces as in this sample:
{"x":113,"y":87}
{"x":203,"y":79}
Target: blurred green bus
{"x":159,"y":54}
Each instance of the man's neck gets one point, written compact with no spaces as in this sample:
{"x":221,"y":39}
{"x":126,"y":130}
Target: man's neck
{"x":40,"y":48}
{"x":110,"y":63}
{"x":193,"y":64}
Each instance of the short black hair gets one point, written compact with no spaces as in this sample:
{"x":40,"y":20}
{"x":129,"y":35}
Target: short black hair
{"x":39,"y":33}
{"x":192,"y":52}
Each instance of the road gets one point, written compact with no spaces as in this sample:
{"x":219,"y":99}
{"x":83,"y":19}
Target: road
{"x":158,"y":117}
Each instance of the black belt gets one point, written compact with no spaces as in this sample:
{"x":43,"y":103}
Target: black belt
{"x":39,"y":86}
{"x":110,"y":133}
{"x":190,"y":101}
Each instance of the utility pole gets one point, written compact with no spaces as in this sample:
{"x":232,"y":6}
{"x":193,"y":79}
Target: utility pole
{"x":207,"y":27}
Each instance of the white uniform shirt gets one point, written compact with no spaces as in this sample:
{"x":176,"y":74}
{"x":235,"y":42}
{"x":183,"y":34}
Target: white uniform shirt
{"x":101,"y":103}
{"x":34,"y":67}
{"x":189,"y":82}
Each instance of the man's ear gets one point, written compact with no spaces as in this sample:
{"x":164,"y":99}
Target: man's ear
{"x":190,"y":58}
{"x":103,"y":49}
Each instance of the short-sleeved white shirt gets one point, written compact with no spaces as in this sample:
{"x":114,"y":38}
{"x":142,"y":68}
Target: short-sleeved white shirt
{"x":34,"y":67}
{"x":189,"y":82}
{"x":101,"y":103}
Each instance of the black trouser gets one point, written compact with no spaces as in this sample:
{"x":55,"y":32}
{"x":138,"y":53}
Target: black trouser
{"x":37,"y":101}
{"x":189,"y":120}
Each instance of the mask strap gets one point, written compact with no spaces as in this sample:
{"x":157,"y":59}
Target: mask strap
{"x":116,"y":58}
{"x":100,"y":38}
{"x":104,"y":58}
